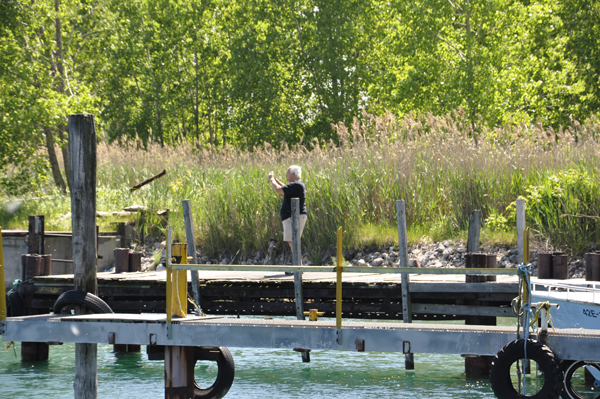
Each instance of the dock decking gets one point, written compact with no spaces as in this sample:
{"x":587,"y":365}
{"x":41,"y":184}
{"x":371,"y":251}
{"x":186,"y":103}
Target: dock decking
{"x":365,"y":295}
{"x":290,"y":334}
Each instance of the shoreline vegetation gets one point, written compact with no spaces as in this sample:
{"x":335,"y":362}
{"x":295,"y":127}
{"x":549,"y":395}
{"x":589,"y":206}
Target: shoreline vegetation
{"x":443,"y":167}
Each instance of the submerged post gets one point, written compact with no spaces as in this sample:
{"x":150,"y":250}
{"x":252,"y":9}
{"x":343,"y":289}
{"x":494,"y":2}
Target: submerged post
{"x":409,"y":360}
{"x":476,"y":365}
{"x":338,"y":285}
{"x":82,"y":147}
{"x":191,"y":244}
{"x":297,"y":261}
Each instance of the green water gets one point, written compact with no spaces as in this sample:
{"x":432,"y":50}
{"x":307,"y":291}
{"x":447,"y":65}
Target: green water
{"x":260,"y":373}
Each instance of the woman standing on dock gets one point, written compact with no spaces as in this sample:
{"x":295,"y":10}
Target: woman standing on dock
{"x":294,"y":189}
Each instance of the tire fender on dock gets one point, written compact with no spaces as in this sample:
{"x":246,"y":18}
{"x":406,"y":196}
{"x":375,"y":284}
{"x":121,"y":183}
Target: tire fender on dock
{"x":500,"y":377}
{"x":570,"y":368}
{"x":225,"y":374}
{"x":69,"y":299}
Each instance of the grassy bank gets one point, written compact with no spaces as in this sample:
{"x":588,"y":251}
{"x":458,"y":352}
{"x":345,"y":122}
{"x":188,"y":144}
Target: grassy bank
{"x":439,"y":165}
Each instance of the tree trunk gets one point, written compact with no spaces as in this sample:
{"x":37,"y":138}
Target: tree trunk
{"x":64,"y":146}
{"x":196,"y":117}
{"x":59,"y":77}
{"x":58,"y":178}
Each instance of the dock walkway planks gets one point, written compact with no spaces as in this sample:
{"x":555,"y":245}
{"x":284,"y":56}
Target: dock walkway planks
{"x":289,"y":334}
{"x":365,"y":295}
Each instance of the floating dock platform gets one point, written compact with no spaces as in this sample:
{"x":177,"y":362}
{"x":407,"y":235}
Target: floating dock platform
{"x":288,"y":334}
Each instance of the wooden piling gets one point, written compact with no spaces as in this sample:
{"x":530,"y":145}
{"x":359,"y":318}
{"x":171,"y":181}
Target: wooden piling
{"x":31,"y":265}
{"x":476,"y":365}
{"x":34,"y":351}
{"x":592,"y":266}
{"x":46,"y":265}
{"x":409,"y":359}
{"x":297,"y":259}
{"x":135,"y":261}
{"x":35,"y":238}
{"x":82,"y":148}
{"x":34,"y":264}
{"x":130,"y":348}
{"x":474,"y":232}
{"x":544,"y":270}
{"x":122,"y":235}
{"x":121,"y":260}
{"x":179,"y":372}
{"x":560,"y":266}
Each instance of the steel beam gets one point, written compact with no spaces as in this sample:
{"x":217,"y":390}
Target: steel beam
{"x":288,"y":334}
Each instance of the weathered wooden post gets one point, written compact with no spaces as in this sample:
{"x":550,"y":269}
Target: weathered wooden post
{"x":409,"y":360}
{"x":82,"y":147}
{"x":35,"y":238}
{"x":474,"y":231}
{"x":135,"y":261}
{"x":191,"y":243}
{"x":34,"y":264}
{"x":297,"y":261}
{"x":122,"y":235}
{"x":179,"y":372}
{"x":121,"y":260}
{"x":476,"y":365}
{"x":520,"y":230}
{"x":592,"y":266}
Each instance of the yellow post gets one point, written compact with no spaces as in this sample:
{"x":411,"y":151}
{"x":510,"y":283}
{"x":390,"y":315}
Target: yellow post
{"x":2,"y":288}
{"x":177,"y":284}
{"x":338,"y":286}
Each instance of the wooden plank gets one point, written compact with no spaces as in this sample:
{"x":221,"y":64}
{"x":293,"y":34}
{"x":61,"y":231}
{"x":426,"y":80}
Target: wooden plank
{"x":462,"y":310}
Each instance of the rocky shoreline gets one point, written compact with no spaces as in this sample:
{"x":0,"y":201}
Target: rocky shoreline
{"x":448,"y":254}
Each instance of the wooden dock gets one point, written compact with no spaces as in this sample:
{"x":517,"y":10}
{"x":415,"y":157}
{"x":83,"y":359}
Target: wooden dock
{"x":365,"y":295}
{"x":154,"y":330}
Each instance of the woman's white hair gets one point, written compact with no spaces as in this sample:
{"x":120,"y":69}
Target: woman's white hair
{"x":296,"y":171}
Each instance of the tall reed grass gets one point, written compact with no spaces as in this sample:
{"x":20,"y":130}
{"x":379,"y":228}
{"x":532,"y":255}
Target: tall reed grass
{"x":442,"y":166}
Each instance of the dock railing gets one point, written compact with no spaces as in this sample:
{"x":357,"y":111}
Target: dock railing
{"x":338,"y":269}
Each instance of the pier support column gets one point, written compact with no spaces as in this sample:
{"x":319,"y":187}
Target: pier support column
{"x":179,"y":372}
{"x":409,"y":359}
{"x":477,"y":366}
{"x":82,"y":148}
{"x":32,"y":265}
